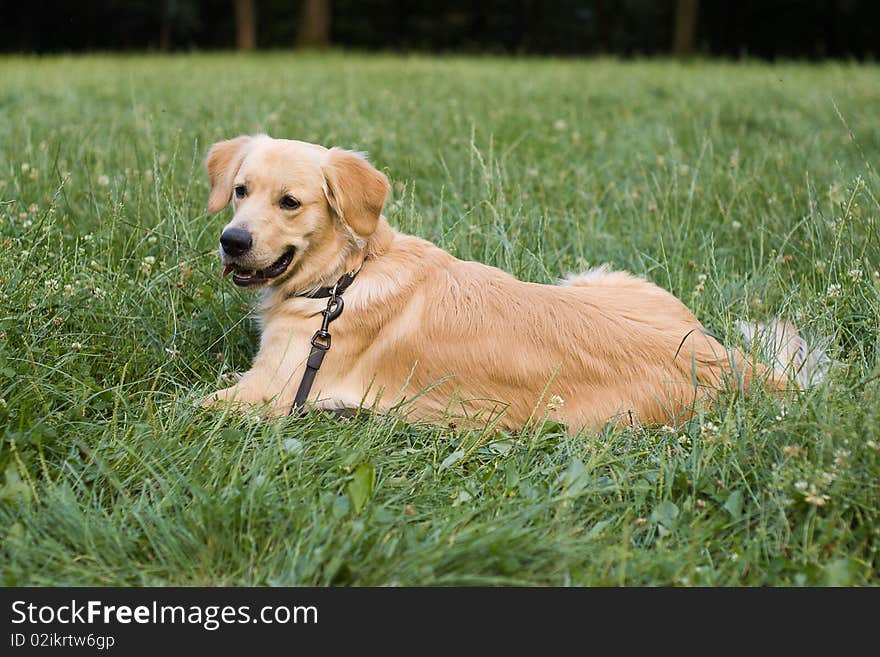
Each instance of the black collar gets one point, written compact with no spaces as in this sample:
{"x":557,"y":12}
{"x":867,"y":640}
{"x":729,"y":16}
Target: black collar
{"x":332,"y":290}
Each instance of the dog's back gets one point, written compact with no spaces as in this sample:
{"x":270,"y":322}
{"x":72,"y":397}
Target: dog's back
{"x":604,"y":345}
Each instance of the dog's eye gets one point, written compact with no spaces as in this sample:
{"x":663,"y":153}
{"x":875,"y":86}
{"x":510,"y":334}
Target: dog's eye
{"x":289,"y":203}
{"x":240,"y":191}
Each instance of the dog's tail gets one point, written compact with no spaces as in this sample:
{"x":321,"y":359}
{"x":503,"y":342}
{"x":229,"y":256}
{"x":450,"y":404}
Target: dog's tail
{"x":787,"y":352}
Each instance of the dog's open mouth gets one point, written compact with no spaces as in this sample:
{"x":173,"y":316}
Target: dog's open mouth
{"x":250,"y":277}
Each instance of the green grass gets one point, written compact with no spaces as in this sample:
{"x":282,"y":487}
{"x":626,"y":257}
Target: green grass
{"x":748,"y":190}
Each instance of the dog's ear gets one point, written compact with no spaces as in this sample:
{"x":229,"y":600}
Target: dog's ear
{"x":223,"y":162}
{"x":355,"y":190}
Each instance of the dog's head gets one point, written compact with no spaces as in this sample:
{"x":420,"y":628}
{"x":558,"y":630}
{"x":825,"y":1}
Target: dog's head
{"x":300,"y":210}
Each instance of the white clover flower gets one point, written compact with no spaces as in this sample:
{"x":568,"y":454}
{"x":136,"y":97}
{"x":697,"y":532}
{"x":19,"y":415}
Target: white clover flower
{"x":76,"y":345}
{"x":147,"y":265}
{"x":560,"y":125}
{"x":25,"y":167}
{"x":736,"y":225}
{"x":103,"y":180}
{"x":555,"y":403}
{"x":708,"y":432}
{"x":834,"y":290}
{"x":815,"y":498}
{"x":801,"y":485}
{"x":855,"y":275}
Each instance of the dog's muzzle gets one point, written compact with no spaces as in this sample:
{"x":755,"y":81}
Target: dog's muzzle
{"x":243,"y":277}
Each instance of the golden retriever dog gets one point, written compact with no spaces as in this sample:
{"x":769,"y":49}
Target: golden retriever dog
{"x":447,"y":341}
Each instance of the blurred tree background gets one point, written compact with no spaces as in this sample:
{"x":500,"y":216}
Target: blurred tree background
{"x":728,"y":28}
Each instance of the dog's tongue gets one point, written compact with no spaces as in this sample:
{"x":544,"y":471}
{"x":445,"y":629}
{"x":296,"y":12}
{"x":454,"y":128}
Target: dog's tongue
{"x":226,"y":271}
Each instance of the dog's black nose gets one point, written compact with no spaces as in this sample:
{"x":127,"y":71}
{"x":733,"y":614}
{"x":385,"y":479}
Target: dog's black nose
{"x":235,"y":241}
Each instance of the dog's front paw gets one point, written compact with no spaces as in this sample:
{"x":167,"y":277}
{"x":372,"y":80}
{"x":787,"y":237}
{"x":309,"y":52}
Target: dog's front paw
{"x":222,"y":398}
{"x":241,"y":399}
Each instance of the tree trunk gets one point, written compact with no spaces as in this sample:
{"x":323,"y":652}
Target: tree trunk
{"x":246,"y":24}
{"x":165,"y":34}
{"x":314,"y":24}
{"x":684,"y":38}
{"x":603,"y":27}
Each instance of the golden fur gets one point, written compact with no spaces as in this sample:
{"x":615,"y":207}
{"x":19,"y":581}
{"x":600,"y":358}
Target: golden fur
{"x":445,"y":340}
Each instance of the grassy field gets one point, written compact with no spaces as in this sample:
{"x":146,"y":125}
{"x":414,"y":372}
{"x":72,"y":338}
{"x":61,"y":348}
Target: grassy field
{"x":748,"y":190}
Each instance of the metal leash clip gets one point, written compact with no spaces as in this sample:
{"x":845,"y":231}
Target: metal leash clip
{"x":321,"y":338}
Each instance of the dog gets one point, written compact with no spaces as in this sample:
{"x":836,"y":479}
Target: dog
{"x":446,"y":341}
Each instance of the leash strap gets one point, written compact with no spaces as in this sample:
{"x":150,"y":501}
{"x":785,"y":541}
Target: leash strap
{"x":320,"y":346}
